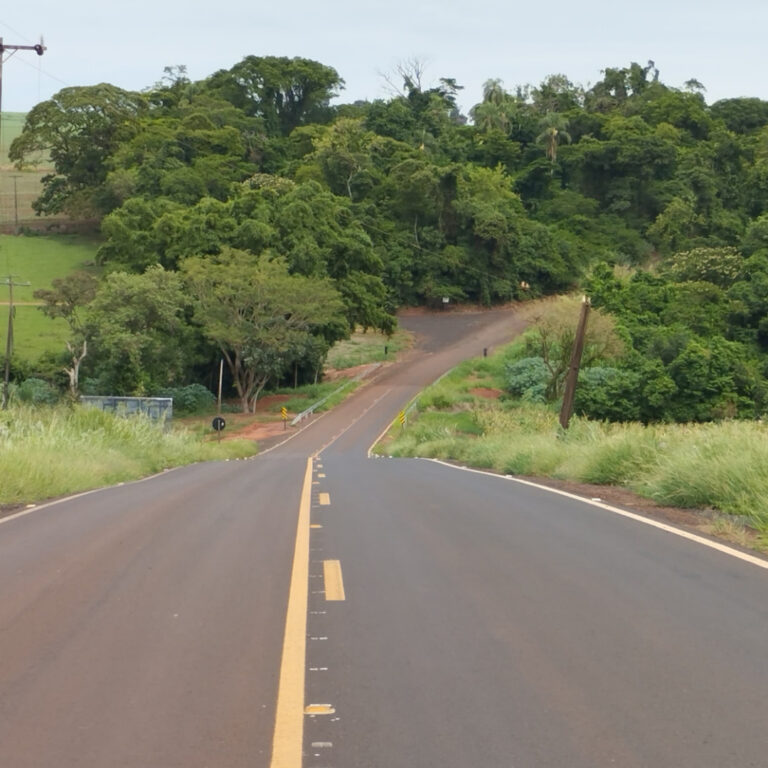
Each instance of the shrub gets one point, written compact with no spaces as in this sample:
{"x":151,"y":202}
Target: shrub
{"x":193,"y":398}
{"x":37,"y":392}
{"x":528,"y":378}
{"x":608,"y":393}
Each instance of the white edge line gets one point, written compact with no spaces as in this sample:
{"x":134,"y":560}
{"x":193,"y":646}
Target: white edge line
{"x":747,"y":558}
{"x":408,"y":406}
{"x":122,"y":484}
{"x":54,"y":502}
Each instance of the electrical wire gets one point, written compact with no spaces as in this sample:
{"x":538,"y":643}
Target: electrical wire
{"x":16,"y":32}
{"x":40,"y":70}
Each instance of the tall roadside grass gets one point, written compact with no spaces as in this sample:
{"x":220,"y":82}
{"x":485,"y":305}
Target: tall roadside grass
{"x":46,"y":452}
{"x":722,"y":466}
{"x":368,"y":347}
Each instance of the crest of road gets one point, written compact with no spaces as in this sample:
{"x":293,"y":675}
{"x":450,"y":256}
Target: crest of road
{"x":316,"y":608}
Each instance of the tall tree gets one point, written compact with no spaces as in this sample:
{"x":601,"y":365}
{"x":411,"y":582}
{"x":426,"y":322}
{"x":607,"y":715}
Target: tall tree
{"x":554,"y":130}
{"x":261,"y":317}
{"x":285,"y":93}
{"x":79,"y":128}
{"x":66,"y":299}
{"x":140,"y":338}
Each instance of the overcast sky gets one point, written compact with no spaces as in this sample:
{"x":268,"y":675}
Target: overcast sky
{"x":720,"y":43}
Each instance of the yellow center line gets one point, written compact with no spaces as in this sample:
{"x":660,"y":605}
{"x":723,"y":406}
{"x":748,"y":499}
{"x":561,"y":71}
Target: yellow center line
{"x":334,"y":583}
{"x":289,"y":717}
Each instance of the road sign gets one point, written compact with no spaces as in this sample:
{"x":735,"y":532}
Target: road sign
{"x":218,"y":423}
{"x":401,"y":417}
{"x":284,"y":413}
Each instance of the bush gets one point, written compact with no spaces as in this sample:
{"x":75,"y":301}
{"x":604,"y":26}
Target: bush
{"x":37,"y":392}
{"x":608,"y":393}
{"x":193,"y":398}
{"x":528,"y":378}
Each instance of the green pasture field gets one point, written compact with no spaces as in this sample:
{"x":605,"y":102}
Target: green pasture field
{"x":18,"y":188}
{"x":38,"y":260}
{"x":12,"y":125}
{"x":33,"y":333}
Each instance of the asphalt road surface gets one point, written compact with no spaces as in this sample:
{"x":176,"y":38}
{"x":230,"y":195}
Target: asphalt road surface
{"x":314,"y":607}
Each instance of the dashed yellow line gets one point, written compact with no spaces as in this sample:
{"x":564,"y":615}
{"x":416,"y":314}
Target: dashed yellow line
{"x":334,"y":583}
{"x":324,"y":499}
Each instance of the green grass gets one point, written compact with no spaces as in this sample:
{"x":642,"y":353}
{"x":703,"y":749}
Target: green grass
{"x":18,"y":188}
{"x":33,"y":333}
{"x":302,"y":397}
{"x":12,"y":125}
{"x":722,"y":466}
{"x":38,"y":260}
{"x":47,"y":452}
{"x":363,"y":348}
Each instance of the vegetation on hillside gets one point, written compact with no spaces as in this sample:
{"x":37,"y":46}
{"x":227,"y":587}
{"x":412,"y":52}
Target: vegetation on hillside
{"x":717,"y":466}
{"x":652,"y":200}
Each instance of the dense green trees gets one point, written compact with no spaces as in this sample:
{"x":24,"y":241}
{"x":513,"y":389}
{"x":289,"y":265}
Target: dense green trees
{"x":263,"y":319}
{"x":79,"y":129}
{"x":402,"y":201}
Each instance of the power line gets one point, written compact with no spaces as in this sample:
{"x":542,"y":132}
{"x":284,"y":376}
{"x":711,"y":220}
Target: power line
{"x":39,"y":49}
{"x":43,"y":72}
{"x":15,"y":32}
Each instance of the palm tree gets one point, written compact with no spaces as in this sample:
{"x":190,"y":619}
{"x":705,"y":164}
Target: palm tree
{"x":491,"y":113}
{"x":554,"y":130}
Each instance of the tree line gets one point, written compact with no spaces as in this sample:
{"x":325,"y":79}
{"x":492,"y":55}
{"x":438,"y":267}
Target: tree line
{"x":231,"y":201}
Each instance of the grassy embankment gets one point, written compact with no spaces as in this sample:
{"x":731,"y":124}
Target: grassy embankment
{"x":721,"y":466}
{"x":46,"y":452}
{"x":38,"y":260}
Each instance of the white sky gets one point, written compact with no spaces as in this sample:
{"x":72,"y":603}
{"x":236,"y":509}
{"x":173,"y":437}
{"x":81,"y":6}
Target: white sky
{"x":721,"y":44}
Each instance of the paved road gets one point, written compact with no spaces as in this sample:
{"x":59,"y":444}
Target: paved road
{"x":450,"y":618}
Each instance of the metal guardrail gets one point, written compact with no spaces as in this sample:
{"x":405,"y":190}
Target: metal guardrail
{"x":312,"y":408}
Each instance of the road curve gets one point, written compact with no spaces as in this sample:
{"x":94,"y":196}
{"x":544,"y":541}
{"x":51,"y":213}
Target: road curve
{"x":451,"y":618}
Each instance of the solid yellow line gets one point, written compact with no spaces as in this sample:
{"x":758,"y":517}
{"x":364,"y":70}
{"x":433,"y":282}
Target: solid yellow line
{"x":324,"y":499}
{"x":334,"y":583}
{"x":289,"y":717}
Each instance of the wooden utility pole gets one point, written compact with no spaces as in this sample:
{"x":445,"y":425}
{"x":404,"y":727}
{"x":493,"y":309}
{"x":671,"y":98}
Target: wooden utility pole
{"x":8,"y":280}
{"x":573,"y":371}
{"x":39,"y":49}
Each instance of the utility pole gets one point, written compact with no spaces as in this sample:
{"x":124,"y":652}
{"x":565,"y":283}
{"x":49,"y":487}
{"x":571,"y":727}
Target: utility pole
{"x":39,"y":49}
{"x":9,"y":281}
{"x":15,"y":176}
{"x":573,"y":371}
